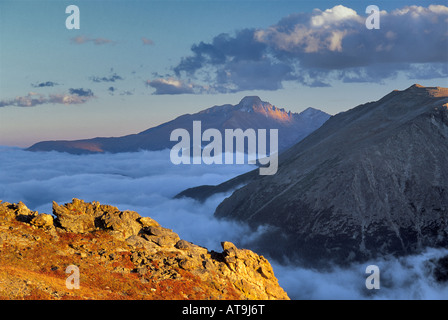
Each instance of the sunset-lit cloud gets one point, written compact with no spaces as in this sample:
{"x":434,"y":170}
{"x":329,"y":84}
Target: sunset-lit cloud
{"x":84,"y":39}
{"x":147,"y":41}
{"x":170,"y":86}
{"x":32,"y":99}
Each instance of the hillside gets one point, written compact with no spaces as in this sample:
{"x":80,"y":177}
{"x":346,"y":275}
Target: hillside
{"x":120,"y":255}
{"x":371,"y":182}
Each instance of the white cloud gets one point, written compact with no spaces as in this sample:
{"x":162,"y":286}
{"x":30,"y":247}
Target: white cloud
{"x":438,"y":8}
{"x":400,"y":279}
{"x":333,"y":16}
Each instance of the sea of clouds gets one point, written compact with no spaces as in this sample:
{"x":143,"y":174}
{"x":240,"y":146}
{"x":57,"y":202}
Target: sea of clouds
{"x":147,"y":181}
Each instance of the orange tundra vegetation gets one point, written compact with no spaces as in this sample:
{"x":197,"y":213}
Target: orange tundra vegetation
{"x":120,"y":255}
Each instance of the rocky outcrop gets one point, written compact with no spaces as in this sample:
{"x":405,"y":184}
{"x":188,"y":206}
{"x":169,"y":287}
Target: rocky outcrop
{"x":371,"y":182}
{"x":120,"y":255}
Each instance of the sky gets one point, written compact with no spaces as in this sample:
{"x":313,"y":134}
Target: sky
{"x":135,"y":64}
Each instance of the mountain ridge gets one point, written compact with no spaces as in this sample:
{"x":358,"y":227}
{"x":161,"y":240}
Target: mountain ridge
{"x":356,"y":187}
{"x":251,"y":112}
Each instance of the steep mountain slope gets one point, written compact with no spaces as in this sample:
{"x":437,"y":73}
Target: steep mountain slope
{"x":370,"y":182}
{"x":119,"y":255}
{"x":251,"y":112}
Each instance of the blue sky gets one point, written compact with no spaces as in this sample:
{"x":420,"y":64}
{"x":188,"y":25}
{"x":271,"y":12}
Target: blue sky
{"x":136,"y":64}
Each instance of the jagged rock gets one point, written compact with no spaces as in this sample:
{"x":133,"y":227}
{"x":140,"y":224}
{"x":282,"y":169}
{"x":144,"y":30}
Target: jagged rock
{"x":148,"y":222}
{"x":123,"y":223}
{"x":229,"y":248}
{"x":161,"y":236}
{"x":23,"y":213}
{"x":183,"y":245}
{"x":187,"y":264}
{"x":137,"y":241}
{"x":73,"y":217}
{"x":19,"y":212}
{"x":154,"y":231}
{"x":229,"y":254}
{"x":43,"y":220}
{"x":121,"y":255}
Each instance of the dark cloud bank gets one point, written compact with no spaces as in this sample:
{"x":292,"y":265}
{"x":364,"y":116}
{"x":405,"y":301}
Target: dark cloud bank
{"x":315,"y":49}
{"x":112,"y":78}
{"x":147,"y":181}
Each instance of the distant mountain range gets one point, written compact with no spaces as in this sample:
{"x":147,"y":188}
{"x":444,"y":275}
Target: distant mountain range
{"x":370,"y":182}
{"x":251,"y":112}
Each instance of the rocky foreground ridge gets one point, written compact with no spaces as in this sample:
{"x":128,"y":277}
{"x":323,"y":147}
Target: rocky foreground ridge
{"x":120,"y":255}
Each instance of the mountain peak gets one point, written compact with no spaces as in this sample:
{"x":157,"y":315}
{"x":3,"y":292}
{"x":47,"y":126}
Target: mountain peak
{"x":250,"y":101}
{"x":311,"y":111}
{"x":437,"y":92}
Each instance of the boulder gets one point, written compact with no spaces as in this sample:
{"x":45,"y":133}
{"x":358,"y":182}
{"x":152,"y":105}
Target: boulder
{"x":162,"y":236}
{"x":23,"y":213}
{"x":73,"y":219}
{"x":148,"y":222}
{"x":43,"y":220}
{"x":123,"y":223}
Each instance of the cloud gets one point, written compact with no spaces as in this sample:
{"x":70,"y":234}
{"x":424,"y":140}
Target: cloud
{"x":143,"y":182}
{"x":81,"y":92}
{"x":44,"y":84}
{"x":317,"y":48}
{"x":172,"y":86}
{"x":334,"y":16}
{"x":147,"y":42}
{"x":126,"y":93}
{"x":111,"y":90}
{"x":32,"y":99}
{"x":253,"y":75}
{"x":97,"y":41}
{"x":112,"y":78}
{"x":400,"y":279}
{"x":68,"y":99}
{"x":425,"y":71}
